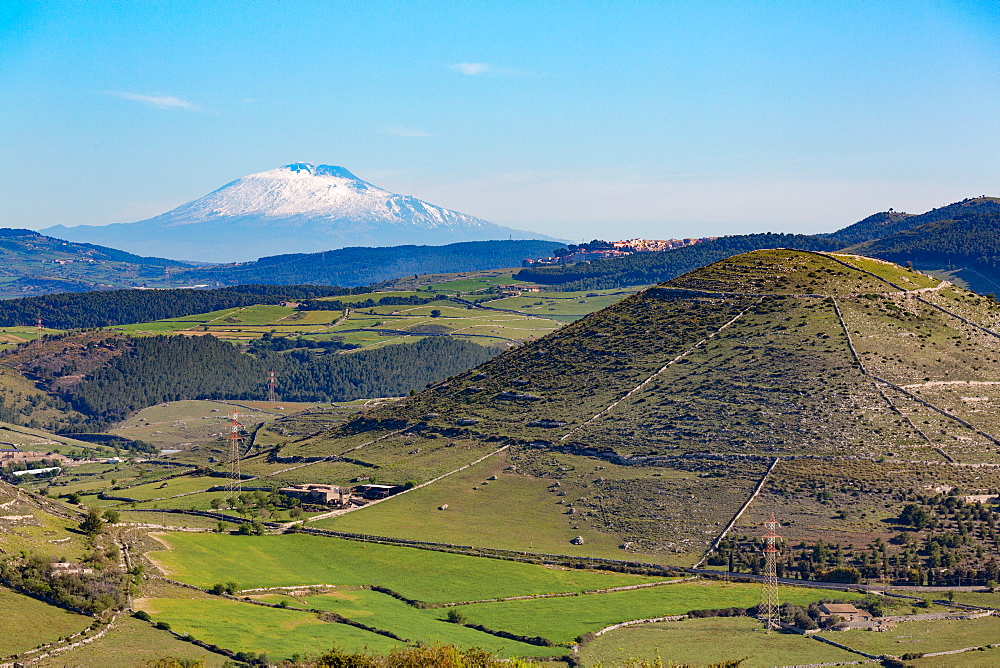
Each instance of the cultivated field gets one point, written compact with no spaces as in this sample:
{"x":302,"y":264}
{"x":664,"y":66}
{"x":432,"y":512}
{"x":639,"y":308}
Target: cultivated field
{"x":426,"y":626}
{"x":703,"y":641}
{"x":563,"y":619}
{"x":293,"y":560}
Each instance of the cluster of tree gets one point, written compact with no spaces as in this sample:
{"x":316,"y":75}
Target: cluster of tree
{"x":82,"y":310}
{"x":647,"y":268}
{"x":363,"y":266}
{"x":945,"y":541}
{"x":94,"y":585}
{"x":172,"y":368}
{"x":259,"y":503}
{"x":596,"y":244}
{"x":337,"y":305}
{"x":423,"y":656}
{"x":116,"y":441}
{"x":269,"y":342}
{"x":7,"y":470}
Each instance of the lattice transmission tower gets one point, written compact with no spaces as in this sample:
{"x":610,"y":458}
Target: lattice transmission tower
{"x":769,"y":610}
{"x":234,"y":484}
{"x":272,"y":383}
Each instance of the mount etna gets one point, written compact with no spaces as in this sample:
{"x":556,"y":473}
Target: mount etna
{"x":298,"y":208}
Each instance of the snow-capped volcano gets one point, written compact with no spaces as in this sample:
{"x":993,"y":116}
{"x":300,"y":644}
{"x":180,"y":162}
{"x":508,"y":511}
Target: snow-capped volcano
{"x":298,"y":208}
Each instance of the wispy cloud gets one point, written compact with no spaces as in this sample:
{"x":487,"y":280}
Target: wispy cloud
{"x":158,"y":101}
{"x":396,"y":131}
{"x":475,"y":69}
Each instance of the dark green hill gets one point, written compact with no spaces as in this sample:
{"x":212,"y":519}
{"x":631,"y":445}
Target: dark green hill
{"x":364,"y":266}
{"x":105,"y":376}
{"x":647,"y":268}
{"x":32,"y":263}
{"x":888,"y":223}
{"x":971,"y":238}
{"x":76,"y":310}
{"x":659,"y":415}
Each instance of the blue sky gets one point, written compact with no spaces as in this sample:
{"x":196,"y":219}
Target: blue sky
{"x":577,"y":119}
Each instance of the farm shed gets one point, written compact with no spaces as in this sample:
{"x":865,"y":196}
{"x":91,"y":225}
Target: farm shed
{"x":377,"y":491}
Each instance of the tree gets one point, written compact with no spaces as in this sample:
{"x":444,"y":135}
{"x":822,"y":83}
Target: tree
{"x":436,"y":313}
{"x":844,"y":574}
{"x":92,"y":525}
{"x":112,"y":516}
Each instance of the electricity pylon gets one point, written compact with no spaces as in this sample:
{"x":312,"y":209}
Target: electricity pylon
{"x":769,"y":611}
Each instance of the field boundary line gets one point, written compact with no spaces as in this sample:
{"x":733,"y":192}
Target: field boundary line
{"x":921,"y":400}
{"x":330,"y":458}
{"x":901,"y":389}
{"x":739,"y":513}
{"x":646,"y":382}
{"x":589,"y":592}
{"x":878,"y":388}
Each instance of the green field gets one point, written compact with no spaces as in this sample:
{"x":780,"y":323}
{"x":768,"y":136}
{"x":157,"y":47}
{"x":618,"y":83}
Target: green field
{"x":167,"y":488}
{"x":132,"y":643}
{"x":535,"y":523}
{"x":426,"y":626}
{"x":923,"y":637}
{"x":293,"y":560}
{"x":390,"y":324}
{"x":253,"y":628}
{"x":28,"y":623}
{"x":983,"y":598}
{"x":702,"y":641}
{"x":563,"y":619}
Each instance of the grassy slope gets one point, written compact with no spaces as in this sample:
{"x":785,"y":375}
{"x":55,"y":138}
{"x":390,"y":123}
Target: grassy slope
{"x":563,"y":619}
{"x":426,"y":626}
{"x":44,"y":527}
{"x":132,"y":643}
{"x":28,"y":623}
{"x":702,"y":641}
{"x":250,"y":628}
{"x":535,"y":522}
{"x":268,"y":561}
{"x":932,"y":636}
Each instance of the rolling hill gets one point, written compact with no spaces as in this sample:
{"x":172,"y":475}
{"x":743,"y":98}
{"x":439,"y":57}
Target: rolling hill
{"x":32,"y":264}
{"x":365,"y":266}
{"x":646,"y":268}
{"x":793,"y":373}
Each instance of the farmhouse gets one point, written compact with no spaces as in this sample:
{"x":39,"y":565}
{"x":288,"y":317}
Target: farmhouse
{"x":325,"y":494}
{"x":845,"y":611}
